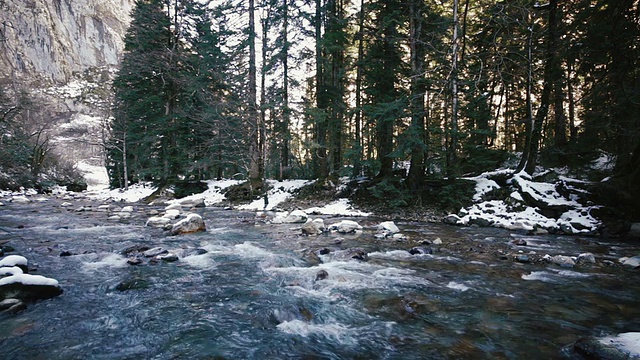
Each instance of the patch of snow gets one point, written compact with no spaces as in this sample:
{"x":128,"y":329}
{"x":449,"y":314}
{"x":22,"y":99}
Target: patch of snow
{"x":341,"y":207}
{"x":457,"y":286}
{"x":279,"y":193}
{"x":135,"y":193}
{"x":13,"y":260}
{"x":10,"y":271}
{"x":96,"y":176}
{"x":28,"y":279}
{"x":214,"y":194}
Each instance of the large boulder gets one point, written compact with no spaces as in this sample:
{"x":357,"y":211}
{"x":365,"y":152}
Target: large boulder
{"x":191,"y":224}
{"x":28,"y":287}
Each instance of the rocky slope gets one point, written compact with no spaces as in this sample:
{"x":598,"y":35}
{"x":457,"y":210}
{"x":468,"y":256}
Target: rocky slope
{"x":64,"y":54}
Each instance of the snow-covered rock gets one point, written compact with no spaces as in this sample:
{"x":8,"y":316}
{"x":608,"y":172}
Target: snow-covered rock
{"x":172,"y":214}
{"x":560,"y":260}
{"x":313,"y":227}
{"x":174,"y":206}
{"x":586,"y":258}
{"x":191,"y":224}
{"x":27,"y":287}
{"x":158,"y":221}
{"x":452,"y":219}
{"x":294,"y":217}
{"x":633,"y":261}
{"x":20,"y":199}
{"x":128,"y":209}
{"x":625,"y":346}
{"x":388,"y":227}
{"x":156,"y":251}
{"x":14,"y":260}
{"x":345,"y":226}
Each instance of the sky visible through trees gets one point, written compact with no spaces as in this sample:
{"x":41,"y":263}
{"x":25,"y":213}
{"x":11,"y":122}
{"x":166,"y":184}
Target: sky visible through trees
{"x":325,"y":88}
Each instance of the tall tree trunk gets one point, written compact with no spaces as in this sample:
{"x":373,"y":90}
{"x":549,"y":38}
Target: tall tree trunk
{"x":416,"y":174}
{"x":357,"y":159}
{"x":545,"y":98}
{"x":322,"y":165}
{"x":255,"y":155}
{"x":286,"y":111}
{"x":573,"y":129}
{"x":560,"y":120}
{"x":529,"y":122}
{"x":452,"y":156}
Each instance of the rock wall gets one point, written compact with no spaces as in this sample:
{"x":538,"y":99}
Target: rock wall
{"x":53,"y":40}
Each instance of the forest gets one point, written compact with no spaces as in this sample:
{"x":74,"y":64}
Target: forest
{"x":409,"y":93}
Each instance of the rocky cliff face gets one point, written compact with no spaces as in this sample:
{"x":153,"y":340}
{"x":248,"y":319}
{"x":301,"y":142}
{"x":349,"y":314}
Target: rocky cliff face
{"x":64,"y":54}
{"x":55,"y":40}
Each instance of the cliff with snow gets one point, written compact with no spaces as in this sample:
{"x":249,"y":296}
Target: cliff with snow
{"x":64,"y":54}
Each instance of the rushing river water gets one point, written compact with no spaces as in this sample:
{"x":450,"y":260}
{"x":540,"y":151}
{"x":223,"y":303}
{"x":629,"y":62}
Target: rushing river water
{"x":255,"y":294}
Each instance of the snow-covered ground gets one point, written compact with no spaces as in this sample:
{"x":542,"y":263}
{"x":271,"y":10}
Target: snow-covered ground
{"x":521,"y":209}
{"x":280,"y":191}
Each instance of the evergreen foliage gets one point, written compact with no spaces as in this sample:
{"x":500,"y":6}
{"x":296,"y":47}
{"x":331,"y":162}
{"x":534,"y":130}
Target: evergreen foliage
{"x":370,"y":90}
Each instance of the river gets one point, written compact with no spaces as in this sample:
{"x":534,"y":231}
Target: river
{"x":260,"y":292}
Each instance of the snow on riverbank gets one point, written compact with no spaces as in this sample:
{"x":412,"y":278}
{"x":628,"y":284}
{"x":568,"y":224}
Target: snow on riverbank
{"x":528,"y":205}
{"x":280,"y":191}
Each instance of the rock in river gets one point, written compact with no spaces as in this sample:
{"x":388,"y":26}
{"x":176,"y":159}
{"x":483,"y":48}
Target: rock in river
{"x":28,"y":287}
{"x":191,"y":224}
{"x":313,"y":227}
{"x":345,"y":226}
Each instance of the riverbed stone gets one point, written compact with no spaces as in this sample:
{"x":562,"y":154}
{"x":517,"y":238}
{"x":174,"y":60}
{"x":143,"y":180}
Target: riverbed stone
{"x":171,"y":214}
{"x":420,"y":250}
{"x":28,"y":287}
{"x":313,"y":227}
{"x":560,"y":260}
{"x":155,"y":252}
{"x":295,"y":217}
{"x":345,"y":226}
{"x":586,"y":258}
{"x":174,"y":206}
{"x":388,"y":227}
{"x":169,"y":257}
{"x":158,"y":221}
{"x":134,"y":261}
{"x":594,"y":349}
{"x":191,"y":224}
{"x":11,"y":306}
{"x":452,"y":219}
{"x":20,"y":199}
{"x":480,"y":221}
{"x":321,"y":275}
{"x":633,"y":261}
